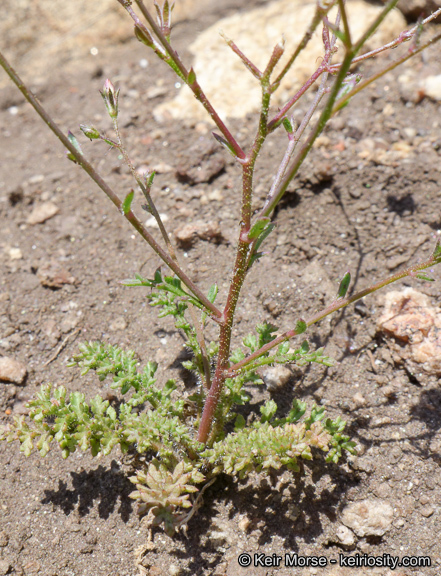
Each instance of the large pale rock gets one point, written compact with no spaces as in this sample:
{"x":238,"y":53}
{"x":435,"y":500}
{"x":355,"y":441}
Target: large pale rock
{"x":416,"y":328}
{"x":370,"y":517}
{"x":233,"y":91}
{"x":38,"y":31}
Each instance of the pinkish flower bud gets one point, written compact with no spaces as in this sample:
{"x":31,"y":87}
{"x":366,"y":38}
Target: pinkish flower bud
{"x":110,"y":97}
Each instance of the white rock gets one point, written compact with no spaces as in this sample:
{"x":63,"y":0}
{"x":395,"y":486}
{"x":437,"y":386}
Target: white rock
{"x":174,"y":570}
{"x":11,"y":370}
{"x":15,"y":254}
{"x":276,"y":376}
{"x":42,"y":212}
{"x":5,"y":566}
{"x":233,"y":91}
{"x":345,"y":536}
{"x":370,"y":517}
{"x":359,"y":400}
{"x":244,"y":524}
{"x":151,"y":222}
{"x":415,"y":325}
{"x":416,"y":8}
{"x":432,"y":87}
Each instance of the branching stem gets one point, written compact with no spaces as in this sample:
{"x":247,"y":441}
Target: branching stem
{"x":333,"y":307}
{"x":90,"y":170}
{"x":179,"y":67}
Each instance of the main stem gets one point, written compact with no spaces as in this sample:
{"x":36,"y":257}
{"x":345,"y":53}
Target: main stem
{"x":239,"y":273}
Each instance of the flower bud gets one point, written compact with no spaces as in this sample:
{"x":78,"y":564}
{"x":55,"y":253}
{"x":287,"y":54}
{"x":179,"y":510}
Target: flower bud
{"x":90,"y":131}
{"x":110,"y":97}
{"x":144,"y":36}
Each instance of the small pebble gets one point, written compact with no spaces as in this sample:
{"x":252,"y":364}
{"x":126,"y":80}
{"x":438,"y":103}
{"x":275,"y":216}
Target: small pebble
{"x":15,"y":254}
{"x":427,"y":510}
{"x":118,"y":324}
{"x":4,"y":539}
{"x":11,"y":370}
{"x":42,"y":212}
{"x":244,"y":524}
{"x":345,"y":535}
{"x":432,"y":87}
{"x":359,"y":400}
{"x":276,"y":376}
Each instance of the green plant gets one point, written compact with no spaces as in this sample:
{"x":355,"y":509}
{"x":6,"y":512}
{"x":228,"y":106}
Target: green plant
{"x":187,"y":442}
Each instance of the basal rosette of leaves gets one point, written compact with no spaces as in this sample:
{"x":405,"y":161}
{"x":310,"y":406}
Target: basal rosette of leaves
{"x":161,"y":421}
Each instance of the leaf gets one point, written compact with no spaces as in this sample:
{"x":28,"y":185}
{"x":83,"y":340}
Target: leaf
{"x":425,"y":277}
{"x":258,"y":228}
{"x":191,"y":78}
{"x":264,"y":235}
{"x":212,"y":293}
{"x":143,"y":35}
{"x":268,"y":410}
{"x":298,"y":410}
{"x":304,"y":347}
{"x":158,"y":276}
{"x":283,"y":348}
{"x":240,"y":423}
{"x":250,"y":342}
{"x":149,"y":177}
{"x":348,"y":84}
{"x":287,"y":125}
{"x":301,"y":327}
{"x":344,"y":285}
{"x":225,"y":144}
{"x":74,"y":142}
{"x":126,"y":205}
{"x":436,"y":254}
{"x":169,"y":387}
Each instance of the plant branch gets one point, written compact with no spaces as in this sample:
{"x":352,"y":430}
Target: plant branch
{"x":333,"y":307}
{"x":240,"y":268}
{"x":246,"y":61}
{"x":181,"y":70}
{"x":362,"y":85}
{"x":90,"y":170}
{"x":294,"y":139}
{"x":347,"y":32}
{"x":403,"y":37}
{"x":374,"y":26}
{"x":324,"y":117}
{"x":146,"y":191}
{"x":274,"y":123}
{"x":318,"y":16}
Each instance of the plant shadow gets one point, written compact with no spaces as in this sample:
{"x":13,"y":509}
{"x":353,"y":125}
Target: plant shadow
{"x":102,"y":484}
{"x":284,"y":505}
